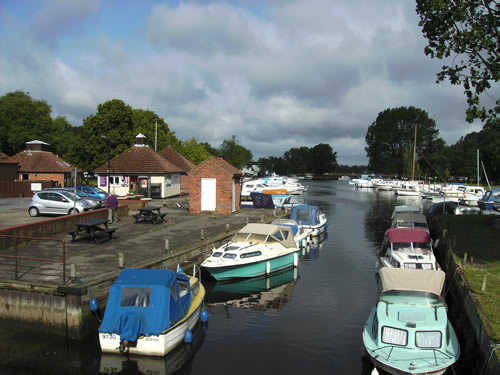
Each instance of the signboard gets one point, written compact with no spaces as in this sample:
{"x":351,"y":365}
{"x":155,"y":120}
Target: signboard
{"x":36,"y":186}
{"x":144,"y":184}
{"x":103,"y":181}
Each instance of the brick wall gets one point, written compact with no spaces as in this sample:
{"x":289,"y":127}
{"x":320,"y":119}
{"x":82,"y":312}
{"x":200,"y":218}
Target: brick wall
{"x":212,"y":169}
{"x":8,"y":172}
{"x":11,"y":189}
{"x":56,"y":177}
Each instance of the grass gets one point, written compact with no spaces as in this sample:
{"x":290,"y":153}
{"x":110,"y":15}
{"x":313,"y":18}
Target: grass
{"x":479,"y":237}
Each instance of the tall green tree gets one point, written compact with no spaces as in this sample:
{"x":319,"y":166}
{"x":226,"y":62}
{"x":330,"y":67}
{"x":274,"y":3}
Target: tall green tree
{"x":234,"y":153}
{"x":297,"y":159}
{"x":23,"y":119}
{"x":465,"y":32}
{"x":194,"y":151}
{"x":390,"y":140}
{"x":322,"y":159}
{"x":155,"y":129}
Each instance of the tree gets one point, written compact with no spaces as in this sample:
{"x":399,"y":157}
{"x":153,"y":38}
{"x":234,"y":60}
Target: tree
{"x":297,"y":160}
{"x":390,"y":140}
{"x":467,"y":31}
{"x":194,"y":151}
{"x":154,"y":128}
{"x":322,"y":159}
{"x":23,"y":119}
{"x":212,"y":151}
{"x":234,"y":153}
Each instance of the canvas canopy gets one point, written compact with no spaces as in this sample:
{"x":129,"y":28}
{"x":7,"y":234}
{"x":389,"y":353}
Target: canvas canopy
{"x":305,"y":214}
{"x":146,"y":302}
{"x":395,"y":235}
{"x":280,"y":233}
{"x":431,"y":281}
{"x":411,"y":217}
{"x":289,"y":223}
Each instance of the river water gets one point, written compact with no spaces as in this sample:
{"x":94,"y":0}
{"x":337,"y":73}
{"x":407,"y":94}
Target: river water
{"x":300,"y":321}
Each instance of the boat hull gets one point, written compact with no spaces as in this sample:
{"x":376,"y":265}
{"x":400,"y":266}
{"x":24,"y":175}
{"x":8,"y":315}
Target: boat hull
{"x":263,"y":267}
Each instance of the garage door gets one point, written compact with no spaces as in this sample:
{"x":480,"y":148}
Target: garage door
{"x":208,"y":194}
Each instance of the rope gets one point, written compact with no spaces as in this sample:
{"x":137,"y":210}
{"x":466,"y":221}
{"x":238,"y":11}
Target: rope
{"x":494,"y":347}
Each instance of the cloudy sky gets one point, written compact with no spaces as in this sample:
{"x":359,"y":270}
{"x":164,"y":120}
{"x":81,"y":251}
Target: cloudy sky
{"x":275,"y":73}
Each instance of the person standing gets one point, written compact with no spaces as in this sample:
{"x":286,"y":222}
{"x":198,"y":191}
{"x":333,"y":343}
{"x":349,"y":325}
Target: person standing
{"x":112,"y":204}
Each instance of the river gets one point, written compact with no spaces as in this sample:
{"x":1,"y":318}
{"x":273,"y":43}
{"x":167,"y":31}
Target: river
{"x":306,"y":320}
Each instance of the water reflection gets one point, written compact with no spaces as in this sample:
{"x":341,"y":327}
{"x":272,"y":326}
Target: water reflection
{"x":171,"y":363}
{"x":313,"y":249}
{"x":269,"y":293}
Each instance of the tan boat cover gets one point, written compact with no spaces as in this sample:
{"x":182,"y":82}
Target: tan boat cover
{"x":270,"y":230}
{"x":409,"y":279}
{"x":410,"y":217}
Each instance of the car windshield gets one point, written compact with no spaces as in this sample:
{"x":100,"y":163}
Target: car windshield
{"x":68,"y":194}
{"x":99,"y":190}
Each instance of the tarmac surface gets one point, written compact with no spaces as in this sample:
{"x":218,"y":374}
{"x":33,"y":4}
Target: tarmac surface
{"x":138,"y":243}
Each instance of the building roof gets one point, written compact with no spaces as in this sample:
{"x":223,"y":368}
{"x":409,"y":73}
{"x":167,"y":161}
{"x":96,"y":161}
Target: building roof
{"x":222,"y":163}
{"x":42,"y":162}
{"x":177,"y":158}
{"x":6,"y":159}
{"x":139,"y":160}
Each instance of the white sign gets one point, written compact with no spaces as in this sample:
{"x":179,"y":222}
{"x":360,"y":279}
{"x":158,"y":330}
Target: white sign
{"x":36,"y":186}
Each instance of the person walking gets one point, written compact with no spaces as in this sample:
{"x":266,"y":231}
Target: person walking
{"x":112,"y":204}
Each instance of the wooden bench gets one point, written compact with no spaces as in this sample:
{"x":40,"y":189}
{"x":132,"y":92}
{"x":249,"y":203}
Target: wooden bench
{"x":97,"y":236}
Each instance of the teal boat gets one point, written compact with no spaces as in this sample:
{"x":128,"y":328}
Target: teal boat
{"x":408,"y":331}
{"x":256,"y":250}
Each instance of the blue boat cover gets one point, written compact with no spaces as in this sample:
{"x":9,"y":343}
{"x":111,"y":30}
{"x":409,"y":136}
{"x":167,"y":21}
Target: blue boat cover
{"x":305,"y":214}
{"x":146,"y":302}
{"x":262,"y":200}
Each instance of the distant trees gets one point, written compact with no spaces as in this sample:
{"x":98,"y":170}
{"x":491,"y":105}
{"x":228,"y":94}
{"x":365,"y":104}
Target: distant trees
{"x":465,"y":32}
{"x":390,"y":140}
{"x":233,"y":152}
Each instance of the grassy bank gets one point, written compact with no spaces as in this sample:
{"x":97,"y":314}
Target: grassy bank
{"x":476,"y":239}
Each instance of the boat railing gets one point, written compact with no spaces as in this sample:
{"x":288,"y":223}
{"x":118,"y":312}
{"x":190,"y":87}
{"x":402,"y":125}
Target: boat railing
{"x":185,"y":264}
{"x":434,"y":351}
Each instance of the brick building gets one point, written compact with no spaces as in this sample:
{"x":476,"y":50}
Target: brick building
{"x":182,"y":162}
{"x":8,"y":168}
{"x":214,"y":186}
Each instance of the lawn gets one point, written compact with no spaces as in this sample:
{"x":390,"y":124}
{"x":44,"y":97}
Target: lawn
{"x":479,"y":237}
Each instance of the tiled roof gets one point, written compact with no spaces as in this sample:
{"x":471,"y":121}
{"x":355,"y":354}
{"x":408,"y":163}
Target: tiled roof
{"x":224,"y":164}
{"x":6,"y":159}
{"x":42,"y":162}
{"x":177,"y":158}
{"x":139,"y":160}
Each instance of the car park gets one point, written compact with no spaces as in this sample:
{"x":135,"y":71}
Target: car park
{"x":94,"y":201}
{"x":57,"y":203}
{"x":93,"y":191}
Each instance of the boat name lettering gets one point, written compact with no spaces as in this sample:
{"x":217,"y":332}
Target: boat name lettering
{"x":154,"y":339}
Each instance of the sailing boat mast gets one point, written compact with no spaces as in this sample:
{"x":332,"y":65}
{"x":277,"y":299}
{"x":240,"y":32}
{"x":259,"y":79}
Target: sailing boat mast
{"x":414,"y":153}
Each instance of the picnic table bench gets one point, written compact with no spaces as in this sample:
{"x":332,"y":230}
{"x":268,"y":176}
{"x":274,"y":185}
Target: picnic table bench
{"x":150,"y":214}
{"x":96,"y":230}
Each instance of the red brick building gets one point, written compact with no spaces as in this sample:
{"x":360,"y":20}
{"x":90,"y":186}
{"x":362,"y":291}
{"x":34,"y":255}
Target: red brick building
{"x":214,"y":186}
{"x":8,"y":168}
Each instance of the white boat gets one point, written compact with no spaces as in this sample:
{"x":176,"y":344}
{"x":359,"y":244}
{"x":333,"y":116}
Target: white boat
{"x":252,"y":186}
{"x":256,"y":250}
{"x":410,"y":220}
{"x":310,"y":218}
{"x":302,"y":236}
{"x":383,"y":185}
{"x":405,"y":208}
{"x":149,"y":311}
{"x":407,"y":248}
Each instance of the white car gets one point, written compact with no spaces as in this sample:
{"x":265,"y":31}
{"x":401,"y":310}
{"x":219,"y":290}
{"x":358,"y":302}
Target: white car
{"x":56,"y":202}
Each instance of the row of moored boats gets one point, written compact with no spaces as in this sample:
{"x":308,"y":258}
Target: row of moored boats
{"x":408,"y":331}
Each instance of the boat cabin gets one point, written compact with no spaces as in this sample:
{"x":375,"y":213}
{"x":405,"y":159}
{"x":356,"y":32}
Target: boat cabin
{"x":405,"y":209}
{"x":410,"y":220}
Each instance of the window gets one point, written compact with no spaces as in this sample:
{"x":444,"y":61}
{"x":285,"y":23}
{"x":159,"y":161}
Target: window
{"x":173,"y":292}
{"x":428,"y":339}
{"x":183,"y":288}
{"x":217,"y":254}
{"x":136,"y":297}
{"x":375,"y":327}
{"x":114,"y":180}
{"x":26,"y":176}
{"x":43,"y":196}
{"x":419,"y":266}
{"x":394,"y":336}
{"x":252,"y":254}
{"x":229,"y":256}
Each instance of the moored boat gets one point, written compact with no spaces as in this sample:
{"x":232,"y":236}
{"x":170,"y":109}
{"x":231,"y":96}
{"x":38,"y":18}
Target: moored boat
{"x":255,"y":250}
{"x":408,"y":331}
{"x":149,"y":311}
{"x":310,"y":218}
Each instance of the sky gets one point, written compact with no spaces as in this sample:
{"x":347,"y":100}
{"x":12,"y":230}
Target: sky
{"x":276,"y":74}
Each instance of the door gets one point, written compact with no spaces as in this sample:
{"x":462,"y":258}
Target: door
{"x":208,"y":194}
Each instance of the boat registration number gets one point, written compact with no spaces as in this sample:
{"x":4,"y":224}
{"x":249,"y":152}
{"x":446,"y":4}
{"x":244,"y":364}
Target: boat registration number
{"x":108,"y":336}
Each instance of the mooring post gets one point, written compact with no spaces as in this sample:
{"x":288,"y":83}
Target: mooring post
{"x":465,"y":258}
{"x":261,"y":218}
{"x":483,"y":287}
{"x":167,"y":245}
{"x":120,"y":261}
{"x":247,"y":219}
{"x":73,"y":271}
{"x":202,"y":234}
{"x":227,"y":227}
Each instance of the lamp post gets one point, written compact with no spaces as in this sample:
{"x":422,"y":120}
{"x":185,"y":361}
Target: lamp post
{"x":109,"y":168}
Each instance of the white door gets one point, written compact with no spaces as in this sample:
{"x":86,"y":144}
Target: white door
{"x":208,"y":194}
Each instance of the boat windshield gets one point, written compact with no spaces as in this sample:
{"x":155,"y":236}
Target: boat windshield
{"x":412,"y":297}
{"x":137,"y":297}
{"x":250,"y":238}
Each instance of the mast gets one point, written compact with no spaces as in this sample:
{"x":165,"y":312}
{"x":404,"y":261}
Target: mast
{"x":414,"y":153}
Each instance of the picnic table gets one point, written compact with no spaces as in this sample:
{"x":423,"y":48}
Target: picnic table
{"x":150,"y":214}
{"x":95,"y":229}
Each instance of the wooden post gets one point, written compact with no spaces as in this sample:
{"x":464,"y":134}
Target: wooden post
{"x":483,"y":287}
{"x":202,"y":234}
{"x":227,"y":227}
{"x":120,"y":261}
{"x":465,"y":258}
{"x":167,"y":245}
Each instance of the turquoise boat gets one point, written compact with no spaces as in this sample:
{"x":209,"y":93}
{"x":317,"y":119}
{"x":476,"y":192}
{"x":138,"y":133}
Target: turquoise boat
{"x":256,"y":250}
{"x":408,"y":331}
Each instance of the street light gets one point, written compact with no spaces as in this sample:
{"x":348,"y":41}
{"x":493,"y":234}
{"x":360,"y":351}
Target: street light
{"x":109,"y":168}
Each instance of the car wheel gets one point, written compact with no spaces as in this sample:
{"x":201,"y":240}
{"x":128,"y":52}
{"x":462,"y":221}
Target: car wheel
{"x":33,"y":212}
{"x":73,"y":211}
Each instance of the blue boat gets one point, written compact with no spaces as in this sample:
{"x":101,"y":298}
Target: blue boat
{"x":487,"y":202}
{"x":408,"y":331}
{"x":149,"y":311}
{"x":310,"y":218}
{"x":256,"y":250}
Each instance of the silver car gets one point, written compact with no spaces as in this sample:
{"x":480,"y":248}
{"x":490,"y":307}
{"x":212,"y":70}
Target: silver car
{"x":94,"y":201}
{"x":56,"y":202}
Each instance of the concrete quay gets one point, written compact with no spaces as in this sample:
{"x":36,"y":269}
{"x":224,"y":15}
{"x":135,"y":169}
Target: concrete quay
{"x":38,"y":294}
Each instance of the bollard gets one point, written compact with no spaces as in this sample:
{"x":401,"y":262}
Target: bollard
{"x":483,"y":287}
{"x":227,"y":227}
{"x":202,"y":234}
{"x":167,"y":247}
{"x":120,"y":261}
{"x":465,"y":258}
{"x":247,"y":219}
{"x":73,"y":271}
{"x":261,"y":218}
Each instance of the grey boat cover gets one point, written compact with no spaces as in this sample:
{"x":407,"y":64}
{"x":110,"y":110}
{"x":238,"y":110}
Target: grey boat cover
{"x":431,"y":281}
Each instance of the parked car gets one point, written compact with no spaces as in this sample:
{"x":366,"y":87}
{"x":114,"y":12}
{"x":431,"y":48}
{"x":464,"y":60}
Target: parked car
{"x":93,"y":191}
{"x":56,"y":202}
{"x":94,"y":201}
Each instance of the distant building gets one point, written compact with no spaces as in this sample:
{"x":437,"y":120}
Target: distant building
{"x":142,"y":170}
{"x":36,"y":164}
{"x":8,"y":168}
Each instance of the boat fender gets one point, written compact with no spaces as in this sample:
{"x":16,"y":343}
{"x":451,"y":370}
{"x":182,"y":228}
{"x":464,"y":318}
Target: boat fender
{"x":374,"y":371}
{"x":204,"y":316}
{"x":93,"y":304}
{"x":188,"y":336}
